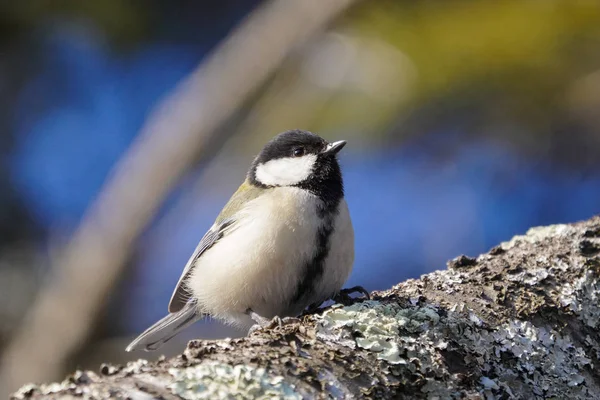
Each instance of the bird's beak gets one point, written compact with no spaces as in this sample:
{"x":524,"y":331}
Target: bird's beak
{"x":334,"y":148}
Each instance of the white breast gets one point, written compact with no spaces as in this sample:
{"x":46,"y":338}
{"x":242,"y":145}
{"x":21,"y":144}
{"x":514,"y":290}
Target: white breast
{"x":259,"y":264}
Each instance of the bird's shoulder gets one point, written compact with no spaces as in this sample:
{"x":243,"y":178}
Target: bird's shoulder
{"x":242,"y":196}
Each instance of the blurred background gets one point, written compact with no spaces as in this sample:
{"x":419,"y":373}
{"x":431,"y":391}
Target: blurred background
{"x":468,"y":122}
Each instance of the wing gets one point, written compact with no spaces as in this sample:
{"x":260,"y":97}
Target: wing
{"x":180,"y":295}
{"x":225,"y":221}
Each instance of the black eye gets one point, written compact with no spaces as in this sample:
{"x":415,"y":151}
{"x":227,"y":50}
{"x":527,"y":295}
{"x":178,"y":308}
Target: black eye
{"x":298,"y":152}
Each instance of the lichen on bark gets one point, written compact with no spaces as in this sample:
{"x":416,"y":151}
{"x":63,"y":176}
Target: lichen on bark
{"x":520,"y":321}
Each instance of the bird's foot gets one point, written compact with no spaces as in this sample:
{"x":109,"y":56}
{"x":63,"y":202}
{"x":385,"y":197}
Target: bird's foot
{"x":314,"y":307}
{"x":266,"y":323}
{"x":344,"y":297}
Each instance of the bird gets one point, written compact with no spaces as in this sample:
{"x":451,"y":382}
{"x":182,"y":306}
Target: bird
{"x":284,"y":242}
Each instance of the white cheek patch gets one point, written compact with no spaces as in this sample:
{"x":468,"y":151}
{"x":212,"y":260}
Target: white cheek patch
{"x":286,"y":171}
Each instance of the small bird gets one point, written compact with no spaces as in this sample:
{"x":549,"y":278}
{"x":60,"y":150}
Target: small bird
{"x":283,"y":242}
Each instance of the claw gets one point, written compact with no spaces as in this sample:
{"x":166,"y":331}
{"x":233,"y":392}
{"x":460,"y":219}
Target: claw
{"x":262,"y":322}
{"x":312,"y":308}
{"x":254,"y":328}
{"x":358,"y":289}
{"x":344,"y":298}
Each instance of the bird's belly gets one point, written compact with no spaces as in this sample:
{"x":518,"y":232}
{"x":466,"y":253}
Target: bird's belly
{"x":260,"y":264}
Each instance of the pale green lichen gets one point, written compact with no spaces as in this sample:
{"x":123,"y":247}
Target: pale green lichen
{"x":515,"y":357}
{"x":396,"y":335}
{"x":135,"y":367}
{"x":223,"y":381}
{"x":537,"y":234}
{"x":374,"y":324}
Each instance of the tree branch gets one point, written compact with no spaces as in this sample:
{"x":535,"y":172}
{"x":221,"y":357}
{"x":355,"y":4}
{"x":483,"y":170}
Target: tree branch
{"x":521,"y":321}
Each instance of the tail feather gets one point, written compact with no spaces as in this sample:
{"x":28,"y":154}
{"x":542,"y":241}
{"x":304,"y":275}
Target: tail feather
{"x":163,"y":330}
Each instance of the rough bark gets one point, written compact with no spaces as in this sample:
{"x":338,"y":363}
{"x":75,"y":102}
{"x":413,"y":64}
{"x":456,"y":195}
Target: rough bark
{"x":518,"y":322}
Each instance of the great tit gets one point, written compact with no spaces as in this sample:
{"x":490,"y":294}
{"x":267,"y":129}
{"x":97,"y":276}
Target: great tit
{"x":283,"y":242}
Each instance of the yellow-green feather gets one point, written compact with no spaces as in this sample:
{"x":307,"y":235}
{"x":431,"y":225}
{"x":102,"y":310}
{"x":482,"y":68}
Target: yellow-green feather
{"x":245,"y":193}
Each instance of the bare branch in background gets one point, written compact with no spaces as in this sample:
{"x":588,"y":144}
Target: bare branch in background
{"x":168,"y":145}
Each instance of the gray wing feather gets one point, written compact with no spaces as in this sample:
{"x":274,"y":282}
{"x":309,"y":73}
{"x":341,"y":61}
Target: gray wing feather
{"x":166,"y":328}
{"x":180,"y":296}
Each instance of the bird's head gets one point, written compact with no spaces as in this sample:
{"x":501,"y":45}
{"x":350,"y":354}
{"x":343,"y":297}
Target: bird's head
{"x":299,"y":159}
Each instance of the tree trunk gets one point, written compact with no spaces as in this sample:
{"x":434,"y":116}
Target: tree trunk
{"x":518,"y":322}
